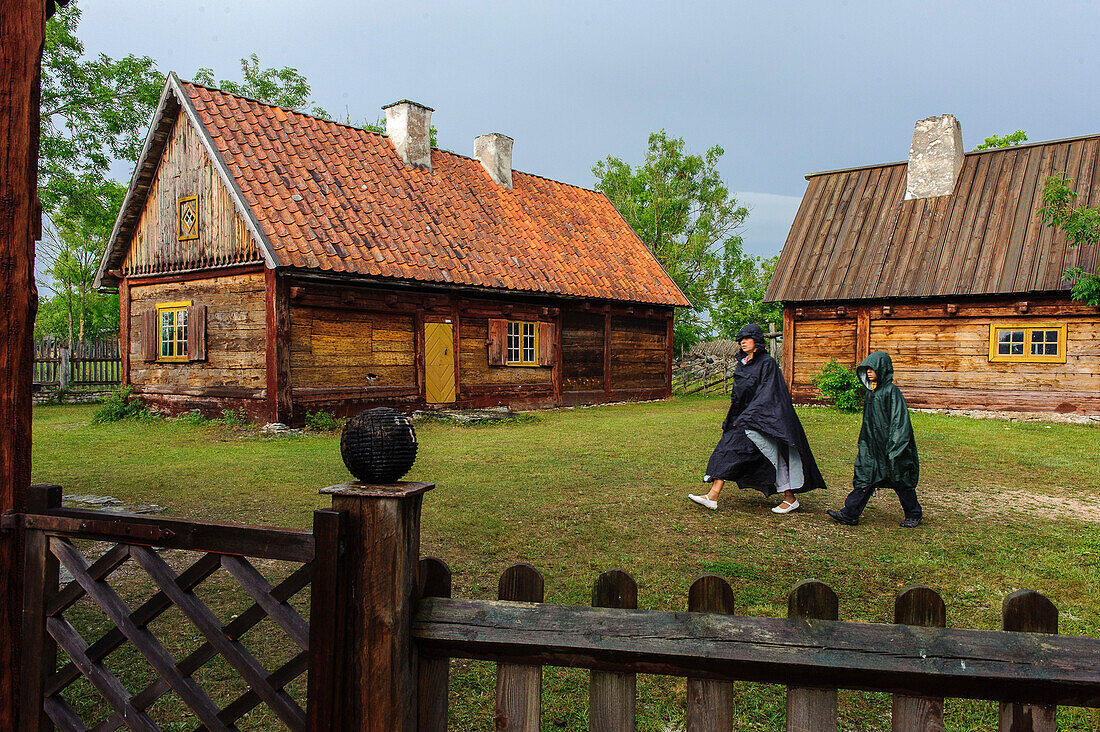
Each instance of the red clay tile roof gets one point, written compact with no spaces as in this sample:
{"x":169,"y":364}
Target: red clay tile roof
{"x":335,"y":198}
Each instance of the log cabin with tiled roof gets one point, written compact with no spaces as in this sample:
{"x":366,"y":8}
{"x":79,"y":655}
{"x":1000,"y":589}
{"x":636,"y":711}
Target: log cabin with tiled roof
{"x":270,"y":261}
{"x":942,"y":262}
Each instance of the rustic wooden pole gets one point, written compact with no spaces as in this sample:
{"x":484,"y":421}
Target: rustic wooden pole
{"x":709,"y":702}
{"x":611,"y":697}
{"x":918,"y":606}
{"x":433,"y":671}
{"x":519,"y":687}
{"x":811,"y":710}
{"x":63,"y":372}
{"x":327,"y":621}
{"x":1029,"y":612}
{"x":22,"y":34}
{"x":383,"y":556}
{"x":39,"y":649}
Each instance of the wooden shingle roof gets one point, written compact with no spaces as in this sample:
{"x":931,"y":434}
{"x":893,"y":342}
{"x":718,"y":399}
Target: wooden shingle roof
{"x":327,"y":197}
{"x":855,"y":238}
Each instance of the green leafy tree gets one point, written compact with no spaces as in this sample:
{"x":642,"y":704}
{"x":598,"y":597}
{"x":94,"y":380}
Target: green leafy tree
{"x":740,"y":297}
{"x":94,"y":112}
{"x":73,"y":246}
{"x":285,"y":87}
{"x":1081,"y":226}
{"x":993,"y":141}
{"x":684,"y":213}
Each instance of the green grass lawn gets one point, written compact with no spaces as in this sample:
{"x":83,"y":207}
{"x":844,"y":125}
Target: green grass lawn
{"x":576,"y":491}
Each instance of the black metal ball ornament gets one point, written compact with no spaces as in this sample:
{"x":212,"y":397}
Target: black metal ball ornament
{"x":378,"y":445}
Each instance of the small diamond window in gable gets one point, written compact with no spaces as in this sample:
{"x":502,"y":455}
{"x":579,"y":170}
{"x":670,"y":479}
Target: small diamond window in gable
{"x":189,"y":218}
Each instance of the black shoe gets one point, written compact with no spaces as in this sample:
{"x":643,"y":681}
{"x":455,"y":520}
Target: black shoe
{"x":840,"y":518}
{"x":910,"y":523}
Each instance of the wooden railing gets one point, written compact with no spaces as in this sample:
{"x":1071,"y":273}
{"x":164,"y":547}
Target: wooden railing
{"x":382,"y":628}
{"x":134,"y":545}
{"x":811,"y":653}
{"x":95,"y":363}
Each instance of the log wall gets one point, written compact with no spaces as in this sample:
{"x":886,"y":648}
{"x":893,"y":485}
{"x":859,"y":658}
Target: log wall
{"x":582,"y":347}
{"x":940,"y":352}
{"x":639,"y":356}
{"x":351,"y":348}
{"x":233,"y":375}
{"x":186,"y":170}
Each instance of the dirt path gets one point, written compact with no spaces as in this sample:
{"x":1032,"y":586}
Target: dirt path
{"x":993,"y":501}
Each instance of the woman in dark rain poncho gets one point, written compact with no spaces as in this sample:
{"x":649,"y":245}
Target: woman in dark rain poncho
{"x":763,"y":445}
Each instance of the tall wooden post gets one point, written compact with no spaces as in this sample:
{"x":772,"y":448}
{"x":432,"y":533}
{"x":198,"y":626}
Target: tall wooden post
{"x":382,"y":559}
{"x":22,"y":35}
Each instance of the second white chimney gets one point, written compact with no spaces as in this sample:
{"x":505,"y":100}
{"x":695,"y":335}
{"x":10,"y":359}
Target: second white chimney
{"x":495,"y":153}
{"x":935,"y":157}
{"x":409,"y":127}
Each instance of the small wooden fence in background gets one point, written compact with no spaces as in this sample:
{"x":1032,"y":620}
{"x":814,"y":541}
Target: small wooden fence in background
{"x":707,"y":368}
{"x":93,"y":363}
{"x":382,"y":629}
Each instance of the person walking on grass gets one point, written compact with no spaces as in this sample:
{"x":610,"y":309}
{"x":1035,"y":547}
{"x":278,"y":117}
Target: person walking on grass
{"x":887,"y":456}
{"x":763,"y":445}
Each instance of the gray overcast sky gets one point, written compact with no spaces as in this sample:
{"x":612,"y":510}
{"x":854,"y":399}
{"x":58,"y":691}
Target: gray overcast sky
{"x":785,"y":88}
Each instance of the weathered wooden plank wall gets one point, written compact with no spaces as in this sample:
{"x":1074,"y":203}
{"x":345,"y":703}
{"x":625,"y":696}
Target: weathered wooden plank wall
{"x":638,"y":353}
{"x":941,"y":358}
{"x":235,"y":333}
{"x":351,"y":348}
{"x":582,"y":351}
{"x":186,"y":170}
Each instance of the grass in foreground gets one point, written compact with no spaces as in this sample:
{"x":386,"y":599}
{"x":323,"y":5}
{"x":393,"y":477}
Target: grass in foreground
{"x":574,"y":492}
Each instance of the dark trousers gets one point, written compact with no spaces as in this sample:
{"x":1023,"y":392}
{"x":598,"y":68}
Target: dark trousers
{"x":857,"y":501}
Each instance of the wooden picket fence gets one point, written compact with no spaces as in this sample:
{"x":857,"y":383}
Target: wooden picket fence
{"x":381,"y":628}
{"x":92,"y":363}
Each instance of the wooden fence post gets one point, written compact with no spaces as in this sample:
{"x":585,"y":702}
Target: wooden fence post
{"x":918,"y":605}
{"x":378,"y":661}
{"x":63,"y":370}
{"x":811,"y":710}
{"x":1029,"y":612}
{"x":327,"y":621}
{"x":433,"y":674}
{"x":40,"y":575}
{"x":519,"y":687}
{"x":611,"y":697}
{"x":709,"y":702}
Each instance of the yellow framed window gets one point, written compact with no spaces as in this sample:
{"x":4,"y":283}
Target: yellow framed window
{"x":1027,"y":342}
{"x":523,"y":343}
{"x":172,"y":331}
{"x":188,"y":218}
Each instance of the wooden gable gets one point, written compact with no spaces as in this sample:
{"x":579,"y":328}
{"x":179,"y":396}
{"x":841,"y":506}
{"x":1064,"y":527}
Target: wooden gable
{"x":189,"y":220}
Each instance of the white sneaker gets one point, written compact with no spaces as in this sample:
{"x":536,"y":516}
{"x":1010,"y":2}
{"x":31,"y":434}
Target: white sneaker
{"x":704,"y":501}
{"x":789,"y":507}
{"x":707,"y":479}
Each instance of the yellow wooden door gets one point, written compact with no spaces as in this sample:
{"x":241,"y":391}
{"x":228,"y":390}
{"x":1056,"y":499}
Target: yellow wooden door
{"x":439,"y":363}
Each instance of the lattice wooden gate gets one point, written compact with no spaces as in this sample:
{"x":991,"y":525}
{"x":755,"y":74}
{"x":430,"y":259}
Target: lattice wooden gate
{"x":141,"y":680}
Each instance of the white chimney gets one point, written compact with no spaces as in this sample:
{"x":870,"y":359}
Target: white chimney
{"x":935,"y":157}
{"x":409,"y":127}
{"x":495,"y":153}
